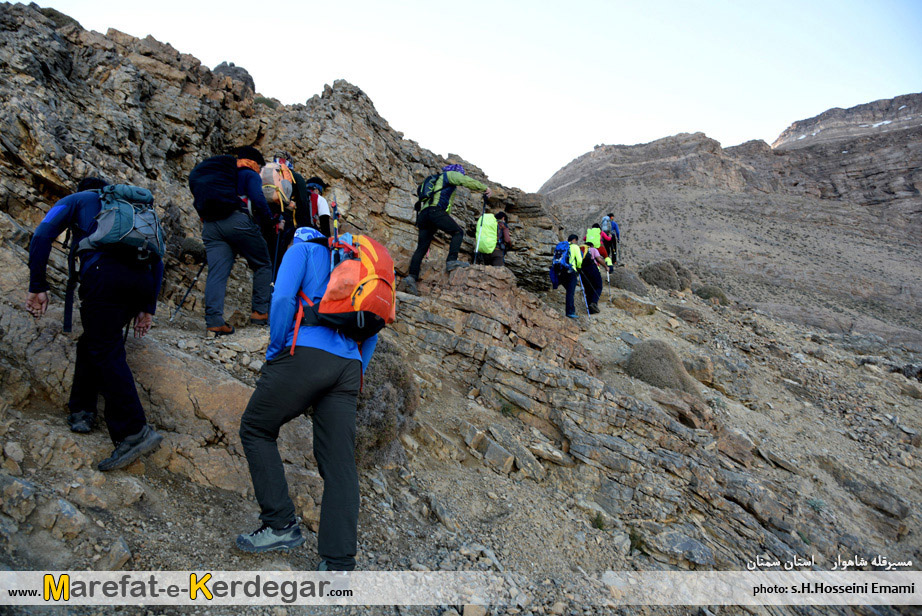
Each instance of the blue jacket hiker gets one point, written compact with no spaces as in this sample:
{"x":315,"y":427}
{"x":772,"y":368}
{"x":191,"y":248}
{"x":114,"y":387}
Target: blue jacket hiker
{"x":320,"y":375}
{"x":114,"y":289}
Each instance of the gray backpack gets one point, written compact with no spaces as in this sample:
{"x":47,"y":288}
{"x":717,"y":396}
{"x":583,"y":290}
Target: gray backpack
{"x":128,"y":223}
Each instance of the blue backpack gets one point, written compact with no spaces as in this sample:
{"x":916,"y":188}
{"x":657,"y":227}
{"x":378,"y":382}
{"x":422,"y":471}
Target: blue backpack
{"x":561,"y":263}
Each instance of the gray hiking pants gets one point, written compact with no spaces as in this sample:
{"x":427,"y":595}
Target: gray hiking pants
{"x":224,"y":240}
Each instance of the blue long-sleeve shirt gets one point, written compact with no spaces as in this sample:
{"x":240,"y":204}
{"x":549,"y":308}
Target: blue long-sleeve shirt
{"x":306,"y":267}
{"x":250,"y":185}
{"x":77,"y":211}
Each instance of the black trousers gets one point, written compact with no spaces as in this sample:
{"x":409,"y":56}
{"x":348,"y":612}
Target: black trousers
{"x":111,"y":294}
{"x":569,"y":281}
{"x":290,"y":385}
{"x":277,"y":243}
{"x":592,"y":280}
{"x":430,"y":220}
{"x":612,"y":247}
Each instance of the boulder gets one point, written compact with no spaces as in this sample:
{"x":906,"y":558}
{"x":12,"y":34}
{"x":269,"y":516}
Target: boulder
{"x":712,"y":292}
{"x":631,"y":303}
{"x":656,"y":363}
{"x":623,"y":278}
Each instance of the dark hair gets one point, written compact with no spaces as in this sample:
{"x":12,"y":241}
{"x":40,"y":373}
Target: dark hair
{"x":91,"y":183}
{"x":610,"y":215}
{"x":572,"y":237}
{"x":500,"y":215}
{"x":250,"y":153}
{"x":596,"y":226}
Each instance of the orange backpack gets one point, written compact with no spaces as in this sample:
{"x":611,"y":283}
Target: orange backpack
{"x":360,"y":298}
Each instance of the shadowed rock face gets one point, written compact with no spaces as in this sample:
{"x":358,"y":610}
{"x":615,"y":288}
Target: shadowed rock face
{"x":236,"y":72}
{"x":830,"y":222}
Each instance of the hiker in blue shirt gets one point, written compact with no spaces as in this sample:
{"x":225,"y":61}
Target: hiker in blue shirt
{"x":320,"y":373}
{"x":113,"y":291}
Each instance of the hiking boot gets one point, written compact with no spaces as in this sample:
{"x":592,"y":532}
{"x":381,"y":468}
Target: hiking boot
{"x":325,"y":566}
{"x":573,"y":316}
{"x":267,"y":538}
{"x":223,"y":330}
{"x":594,"y":308}
{"x":81,"y":421}
{"x":259,"y":318}
{"x":132,"y":448}
{"x":451,"y":266}
{"x":409,"y":285}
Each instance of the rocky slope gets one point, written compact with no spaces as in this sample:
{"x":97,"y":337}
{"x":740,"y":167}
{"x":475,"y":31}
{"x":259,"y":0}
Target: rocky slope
{"x":825,"y":228}
{"x":531,"y":451}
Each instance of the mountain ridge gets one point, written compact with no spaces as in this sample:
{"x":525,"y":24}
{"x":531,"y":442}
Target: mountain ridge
{"x":694,"y":199}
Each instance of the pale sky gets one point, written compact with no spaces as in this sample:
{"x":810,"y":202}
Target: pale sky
{"x":521,"y":88}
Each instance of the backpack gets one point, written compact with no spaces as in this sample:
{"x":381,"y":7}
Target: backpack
{"x":213,"y":183}
{"x":606,"y":224}
{"x":487,"y":234}
{"x":128,"y":223}
{"x":426,"y":190}
{"x":278,"y":183}
{"x":561,"y":263}
{"x":360,"y":298}
{"x":594,"y":237}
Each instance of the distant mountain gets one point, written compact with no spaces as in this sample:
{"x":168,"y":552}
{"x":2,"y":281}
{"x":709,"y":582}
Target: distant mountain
{"x":825,"y":228}
{"x":871,"y":119}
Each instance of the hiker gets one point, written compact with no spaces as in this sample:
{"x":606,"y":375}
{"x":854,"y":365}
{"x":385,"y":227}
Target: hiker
{"x":565,"y":270}
{"x":118,"y":284}
{"x":595,"y":237}
{"x":434,"y":215}
{"x":229,"y":198}
{"x":503,"y":241}
{"x":492,"y":239}
{"x":312,"y":209}
{"x":307,"y":366}
{"x":591,"y":276}
{"x":610,"y":229}
{"x":278,"y":186}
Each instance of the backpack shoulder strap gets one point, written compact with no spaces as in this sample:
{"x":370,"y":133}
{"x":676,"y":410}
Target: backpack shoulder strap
{"x":302,"y":299}
{"x":71,"y":287}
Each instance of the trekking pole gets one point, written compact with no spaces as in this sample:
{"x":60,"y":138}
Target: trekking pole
{"x":335,"y":231}
{"x":188,"y":291}
{"x":483,"y":213}
{"x":585,"y":300}
{"x":275,"y":261}
{"x":608,"y":276}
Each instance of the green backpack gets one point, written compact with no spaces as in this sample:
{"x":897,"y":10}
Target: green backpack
{"x":487,"y":236}
{"x":594,"y":237}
